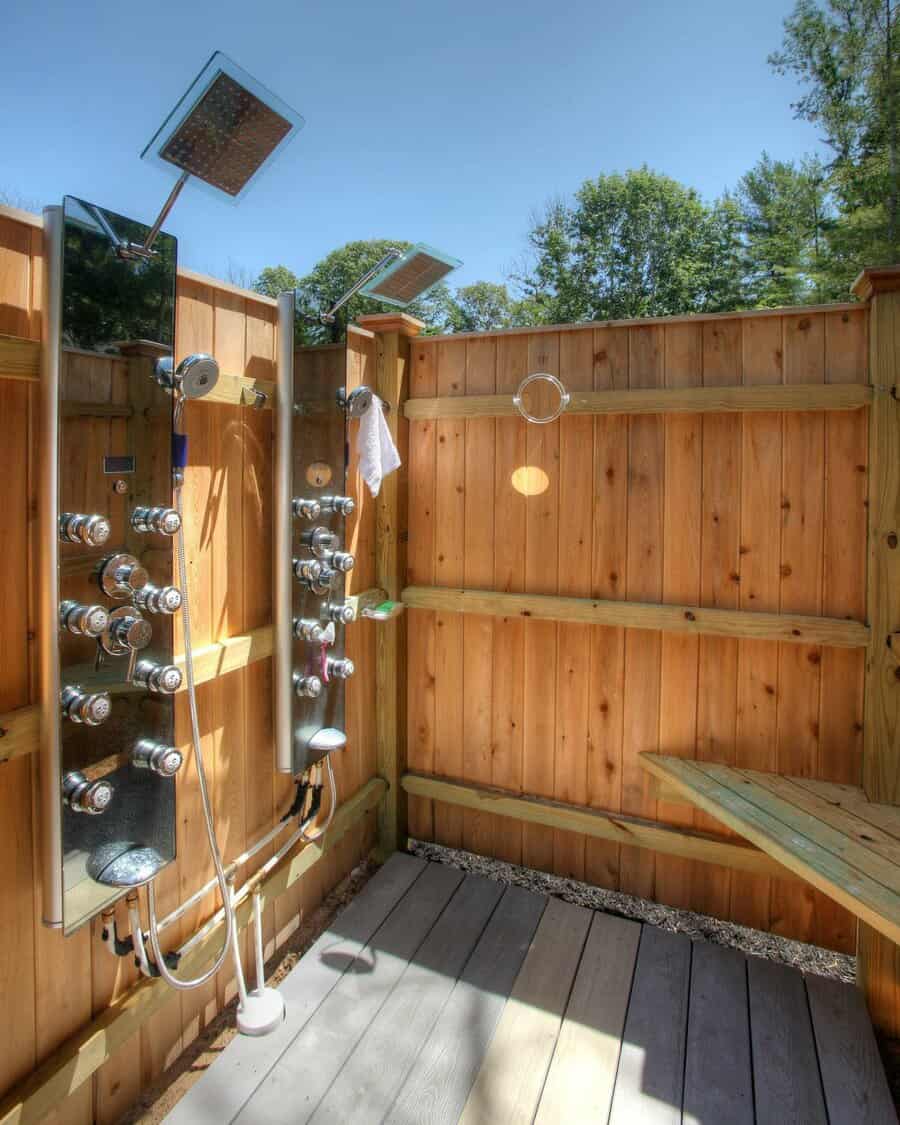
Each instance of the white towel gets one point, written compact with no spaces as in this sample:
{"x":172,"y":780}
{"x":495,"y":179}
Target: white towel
{"x":378,"y":455}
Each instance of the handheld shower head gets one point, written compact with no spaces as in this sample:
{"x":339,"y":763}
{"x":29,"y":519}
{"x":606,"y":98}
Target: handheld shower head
{"x":194,"y":377}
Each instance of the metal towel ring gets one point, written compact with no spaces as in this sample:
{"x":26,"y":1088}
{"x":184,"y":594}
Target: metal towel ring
{"x":563,"y":398}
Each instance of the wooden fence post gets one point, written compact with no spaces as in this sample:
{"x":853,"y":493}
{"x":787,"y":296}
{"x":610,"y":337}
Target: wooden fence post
{"x":878,"y":959}
{"x":393,"y":332}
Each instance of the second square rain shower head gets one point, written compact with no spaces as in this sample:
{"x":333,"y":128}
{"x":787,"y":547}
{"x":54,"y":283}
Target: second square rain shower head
{"x":223,"y":131}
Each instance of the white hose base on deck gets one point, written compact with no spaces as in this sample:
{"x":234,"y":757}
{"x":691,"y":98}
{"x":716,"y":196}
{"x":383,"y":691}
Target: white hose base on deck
{"x":261,"y":1012}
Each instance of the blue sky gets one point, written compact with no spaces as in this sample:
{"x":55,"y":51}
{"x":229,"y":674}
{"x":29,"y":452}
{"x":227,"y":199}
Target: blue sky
{"x":446,"y":122}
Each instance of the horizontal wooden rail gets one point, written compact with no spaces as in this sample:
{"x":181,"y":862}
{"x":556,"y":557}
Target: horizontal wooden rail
{"x":668,"y":400}
{"x":792,"y":628}
{"x":21,"y":359}
{"x":84,"y":1053}
{"x":686,"y":843}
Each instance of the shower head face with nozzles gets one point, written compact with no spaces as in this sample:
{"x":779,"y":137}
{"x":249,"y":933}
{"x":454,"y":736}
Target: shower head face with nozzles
{"x":194,"y":377}
{"x":224,"y":130}
{"x":415,"y":272}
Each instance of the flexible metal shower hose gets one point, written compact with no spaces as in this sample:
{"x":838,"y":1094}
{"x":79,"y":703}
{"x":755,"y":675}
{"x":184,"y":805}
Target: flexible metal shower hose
{"x":221,"y":878}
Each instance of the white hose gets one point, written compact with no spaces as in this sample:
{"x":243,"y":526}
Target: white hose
{"x":221,"y":878}
{"x":332,"y":785}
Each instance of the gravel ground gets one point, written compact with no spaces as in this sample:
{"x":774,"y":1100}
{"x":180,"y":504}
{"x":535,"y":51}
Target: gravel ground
{"x":807,"y":958}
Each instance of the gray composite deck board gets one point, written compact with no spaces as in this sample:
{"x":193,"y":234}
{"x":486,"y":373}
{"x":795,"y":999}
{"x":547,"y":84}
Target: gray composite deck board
{"x":375,"y":1071}
{"x":718,"y":1084}
{"x":219,"y":1095}
{"x":442,"y":1075}
{"x":582,"y":1075}
{"x":650,"y":1079}
{"x":856,"y":1089}
{"x":508,"y":1086}
{"x":294,"y":1087}
{"x":787,"y":1087}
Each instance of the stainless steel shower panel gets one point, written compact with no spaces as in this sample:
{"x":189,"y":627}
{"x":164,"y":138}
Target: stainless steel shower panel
{"x":107,"y":656}
{"x":311,"y":562}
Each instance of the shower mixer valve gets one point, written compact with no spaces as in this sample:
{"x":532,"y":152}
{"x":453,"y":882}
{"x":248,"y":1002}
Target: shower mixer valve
{"x":158,"y":599}
{"x":340,"y":669}
{"x":127,"y":632}
{"x":160,"y":679}
{"x":92,"y":531}
{"x":309,"y":630}
{"x":83,"y":620}
{"x":342,"y":560}
{"x":121,"y":576}
{"x":320,"y":541}
{"x":90,"y":708}
{"x":164,"y":521}
{"x":307,"y":509}
{"x":308,"y":570}
{"x":83,"y":796}
{"x":340,"y":614}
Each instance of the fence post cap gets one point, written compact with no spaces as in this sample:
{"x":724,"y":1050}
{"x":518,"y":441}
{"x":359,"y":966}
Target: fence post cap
{"x":876,"y":279}
{"x":391,"y":322}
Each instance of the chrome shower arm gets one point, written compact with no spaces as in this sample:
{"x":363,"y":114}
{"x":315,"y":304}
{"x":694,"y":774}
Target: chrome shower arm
{"x":390,"y":256}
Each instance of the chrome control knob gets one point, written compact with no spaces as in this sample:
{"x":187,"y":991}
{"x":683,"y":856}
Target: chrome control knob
{"x":158,"y":599}
{"x":307,"y":687}
{"x":161,"y":679}
{"x":307,"y":509}
{"x":92,"y":531}
{"x":309,"y":570}
{"x":340,"y":669}
{"x":90,"y":708}
{"x":308,"y":630}
{"x":83,"y":796}
{"x":83,"y":620}
{"x":322,"y":584}
{"x":341,"y":614}
{"x":121,"y":576}
{"x":164,"y":521}
{"x":320,"y":541}
{"x":127,"y":632}
{"x":342,"y":560}
{"x":156,"y":756}
{"x":341,"y":505}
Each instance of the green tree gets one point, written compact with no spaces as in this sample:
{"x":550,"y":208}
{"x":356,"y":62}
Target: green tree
{"x":847,"y":53}
{"x":274,"y":280}
{"x":787,"y":216}
{"x":480,"y":307}
{"x":632,"y":245}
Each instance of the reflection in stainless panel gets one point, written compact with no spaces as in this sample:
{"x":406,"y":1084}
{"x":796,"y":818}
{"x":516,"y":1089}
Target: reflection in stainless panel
{"x":109,"y":426}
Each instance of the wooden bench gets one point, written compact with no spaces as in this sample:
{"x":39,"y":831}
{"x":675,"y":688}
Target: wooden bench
{"x":830,"y":835}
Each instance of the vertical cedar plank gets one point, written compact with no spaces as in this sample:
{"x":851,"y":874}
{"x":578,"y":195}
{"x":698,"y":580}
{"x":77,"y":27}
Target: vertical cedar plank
{"x":643,"y":649}
{"x":478,"y":572}
{"x":719,"y":583}
{"x":760,"y":553}
{"x":681,"y":584}
{"x":576,"y":450}
{"x":608,"y":576}
{"x":541,"y":577}
{"x":421,"y":567}
{"x":799,"y":679}
{"x":449,"y":569}
{"x":510,"y":505}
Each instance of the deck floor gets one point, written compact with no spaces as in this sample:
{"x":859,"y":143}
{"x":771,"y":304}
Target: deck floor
{"x":441,"y":997}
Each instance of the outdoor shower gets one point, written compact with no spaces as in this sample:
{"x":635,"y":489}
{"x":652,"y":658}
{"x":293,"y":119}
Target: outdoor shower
{"x":114,"y":461}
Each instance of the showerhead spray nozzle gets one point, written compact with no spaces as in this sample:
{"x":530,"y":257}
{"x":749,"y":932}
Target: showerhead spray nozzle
{"x":194,"y":377}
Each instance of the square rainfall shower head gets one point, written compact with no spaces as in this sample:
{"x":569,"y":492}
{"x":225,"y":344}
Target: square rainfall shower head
{"x":412,"y":275}
{"x":224,"y":130}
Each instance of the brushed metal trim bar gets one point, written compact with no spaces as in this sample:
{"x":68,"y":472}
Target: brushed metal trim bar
{"x":283,"y":525}
{"x":48,"y":545}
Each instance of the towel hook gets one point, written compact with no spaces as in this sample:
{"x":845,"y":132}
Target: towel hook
{"x":358,"y":401}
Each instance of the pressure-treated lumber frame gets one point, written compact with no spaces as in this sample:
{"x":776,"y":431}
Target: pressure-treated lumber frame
{"x":675,"y":400}
{"x":81,"y":1056}
{"x":859,"y":879}
{"x":790,"y":628}
{"x":685,"y":843}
